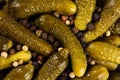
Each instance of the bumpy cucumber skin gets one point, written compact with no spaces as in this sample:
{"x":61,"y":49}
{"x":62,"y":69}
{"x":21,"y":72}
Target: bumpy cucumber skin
{"x":113,"y":40}
{"x":84,"y":13}
{"x":24,"y":72}
{"x":62,"y":32}
{"x":110,"y":13}
{"x":108,"y":65}
{"x":96,"y":72}
{"x":54,"y":66}
{"x":5,"y":43}
{"x":21,"y":55}
{"x":16,"y":32}
{"x":26,"y":8}
{"x":104,"y":51}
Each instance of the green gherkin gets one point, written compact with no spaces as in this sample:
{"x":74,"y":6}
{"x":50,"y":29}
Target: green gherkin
{"x":109,"y":14}
{"x":113,"y":40}
{"x":84,"y":13}
{"x":108,"y":65}
{"x":104,"y":51}
{"x":62,"y":32}
{"x":27,"y":8}
{"x":24,"y":72}
{"x":21,"y":55}
{"x":5,"y":43}
{"x":96,"y":72}
{"x":54,"y":66}
{"x":16,"y":32}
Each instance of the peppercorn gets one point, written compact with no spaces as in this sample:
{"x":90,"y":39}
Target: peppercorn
{"x":15,"y":64}
{"x":56,"y":14}
{"x":40,"y":58}
{"x":25,"y":48}
{"x":24,"y":22}
{"x":108,"y":33}
{"x":67,"y":22}
{"x":90,"y":26}
{"x":51,"y":38}
{"x":34,"y":55}
{"x":75,"y":30}
{"x":19,"y":47}
{"x":4,"y":54}
{"x":33,"y":28}
{"x":72,"y":75}
{"x":79,"y":34}
{"x":92,"y":62}
{"x":64,"y":18}
{"x":12,"y":51}
{"x":44,"y":35}
{"x":96,"y":16}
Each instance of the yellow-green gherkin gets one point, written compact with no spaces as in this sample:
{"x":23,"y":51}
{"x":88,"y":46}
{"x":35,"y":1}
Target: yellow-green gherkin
{"x":84,"y":13}
{"x":104,"y":51}
{"x":109,"y":14}
{"x":54,"y":66}
{"x":27,"y":8}
{"x":24,"y":72}
{"x":113,"y":40}
{"x":63,"y":33}
{"x":108,"y":65}
{"x":19,"y":33}
{"x":96,"y":72}
{"x":21,"y":55}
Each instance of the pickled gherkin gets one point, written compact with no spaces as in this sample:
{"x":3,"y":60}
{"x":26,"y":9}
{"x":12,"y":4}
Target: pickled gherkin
{"x":104,"y":51}
{"x":5,"y":43}
{"x":16,"y":32}
{"x":54,"y":66}
{"x":24,"y":72}
{"x":96,"y":72}
{"x":109,"y":14}
{"x":113,"y":40}
{"x":84,"y":13}
{"x":27,"y":8}
{"x":56,"y":27}
{"x":108,"y":65}
{"x":21,"y":55}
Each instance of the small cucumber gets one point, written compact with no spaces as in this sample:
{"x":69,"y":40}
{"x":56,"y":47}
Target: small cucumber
{"x":56,"y":27}
{"x":109,"y":15}
{"x":108,"y":65}
{"x":54,"y":66}
{"x":24,"y":72}
{"x":104,"y":51}
{"x":21,"y":55}
{"x":96,"y":72}
{"x":84,"y":13}
{"x":16,"y":32}
{"x":113,"y":40}
{"x":27,"y":8}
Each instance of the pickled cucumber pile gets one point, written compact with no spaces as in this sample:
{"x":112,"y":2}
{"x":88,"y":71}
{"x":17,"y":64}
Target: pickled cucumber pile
{"x":60,"y":39}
